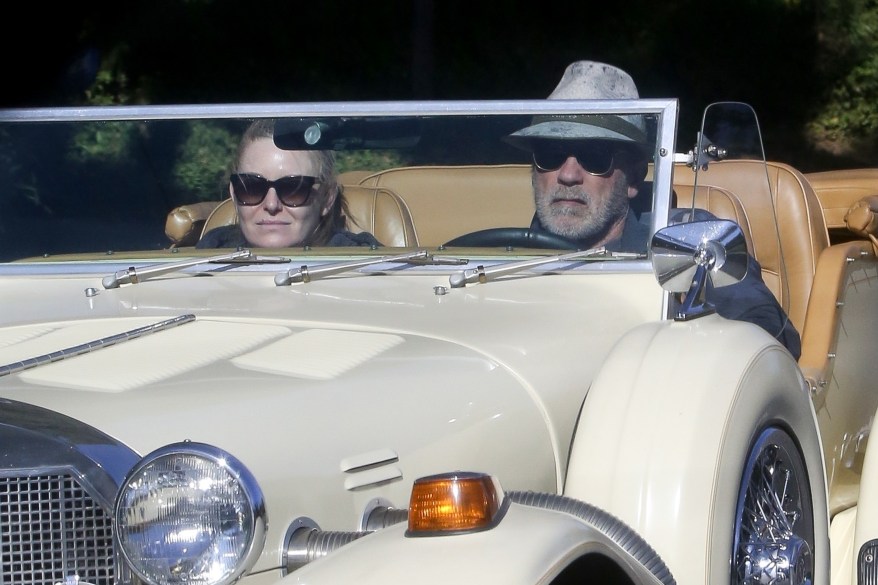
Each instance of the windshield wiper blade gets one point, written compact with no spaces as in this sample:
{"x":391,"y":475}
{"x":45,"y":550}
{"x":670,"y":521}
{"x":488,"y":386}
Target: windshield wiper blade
{"x":482,"y":275}
{"x":132,"y":276}
{"x":305,"y":274}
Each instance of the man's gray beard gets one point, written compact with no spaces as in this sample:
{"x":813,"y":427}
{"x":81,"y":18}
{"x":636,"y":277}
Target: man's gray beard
{"x":593,"y":224}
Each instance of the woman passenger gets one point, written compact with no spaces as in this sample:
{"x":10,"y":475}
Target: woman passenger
{"x":284,"y":198}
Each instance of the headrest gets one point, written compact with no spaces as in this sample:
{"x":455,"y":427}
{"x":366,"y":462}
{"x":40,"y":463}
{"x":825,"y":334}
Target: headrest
{"x":862,"y":217}
{"x":185,"y":223}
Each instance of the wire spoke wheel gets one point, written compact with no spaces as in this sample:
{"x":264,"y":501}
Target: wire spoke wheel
{"x":774,"y":519}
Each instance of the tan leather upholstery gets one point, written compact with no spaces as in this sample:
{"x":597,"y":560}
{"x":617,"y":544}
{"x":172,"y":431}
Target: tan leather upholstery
{"x":223,"y":214}
{"x":800,"y":228}
{"x":449,"y":201}
{"x":839,"y":190}
{"x":821,"y":328}
{"x":428,"y":206}
{"x":837,"y":360}
{"x":185,"y":223}
{"x":862,"y":220}
{"x":353,"y":177}
{"x":862,"y":217}
{"x":379,"y":211}
{"x":721,"y":203}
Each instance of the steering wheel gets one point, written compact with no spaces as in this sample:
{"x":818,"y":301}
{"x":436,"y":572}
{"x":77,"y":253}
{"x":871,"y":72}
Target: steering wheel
{"x":515,"y":237}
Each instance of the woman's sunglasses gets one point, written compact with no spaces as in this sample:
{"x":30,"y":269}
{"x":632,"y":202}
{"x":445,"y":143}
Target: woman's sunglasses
{"x":594,"y":159}
{"x":251,"y":189}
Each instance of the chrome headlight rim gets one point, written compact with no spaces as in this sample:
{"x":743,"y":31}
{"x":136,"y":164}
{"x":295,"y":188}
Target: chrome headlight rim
{"x":220,"y":460}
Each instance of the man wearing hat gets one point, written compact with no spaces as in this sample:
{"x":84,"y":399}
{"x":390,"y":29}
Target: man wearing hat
{"x":586,"y":172}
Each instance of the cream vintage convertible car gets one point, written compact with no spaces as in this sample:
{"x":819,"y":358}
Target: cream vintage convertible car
{"x":467,"y":402}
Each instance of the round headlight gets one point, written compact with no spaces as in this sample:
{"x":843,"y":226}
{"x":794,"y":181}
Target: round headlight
{"x":190,"y":513}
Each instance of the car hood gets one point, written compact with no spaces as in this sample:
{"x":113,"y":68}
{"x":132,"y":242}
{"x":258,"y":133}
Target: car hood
{"x":366,"y":382}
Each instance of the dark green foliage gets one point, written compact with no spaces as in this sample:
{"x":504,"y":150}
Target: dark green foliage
{"x":809,"y":67}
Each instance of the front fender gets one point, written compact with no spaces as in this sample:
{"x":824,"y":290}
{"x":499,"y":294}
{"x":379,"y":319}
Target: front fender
{"x":530,"y":545}
{"x":666,"y":429}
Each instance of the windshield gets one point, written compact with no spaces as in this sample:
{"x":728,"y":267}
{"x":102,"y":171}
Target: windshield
{"x":358,"y":177}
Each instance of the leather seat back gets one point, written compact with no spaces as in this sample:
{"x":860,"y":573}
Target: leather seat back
{"x":381,"y":212}
{"x":448,"y":201}
{"x":376,"y":210}
{"x":720,"y":202}
{"x":800,"y":230}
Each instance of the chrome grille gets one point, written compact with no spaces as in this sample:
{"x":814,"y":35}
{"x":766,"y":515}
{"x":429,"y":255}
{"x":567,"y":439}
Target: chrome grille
{"x":50,"y":528}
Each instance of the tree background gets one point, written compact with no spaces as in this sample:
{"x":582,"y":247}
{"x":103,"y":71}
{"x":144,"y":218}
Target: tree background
{"x":809,"y":67}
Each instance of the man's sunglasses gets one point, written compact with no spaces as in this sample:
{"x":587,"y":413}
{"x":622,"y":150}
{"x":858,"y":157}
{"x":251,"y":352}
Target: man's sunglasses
{"x":594,"y":159}
{"x":251,"y":189}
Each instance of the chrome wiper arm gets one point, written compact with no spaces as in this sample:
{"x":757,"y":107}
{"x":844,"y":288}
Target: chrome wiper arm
{"x":305,"y":274}
{"x":133,"y":276}
{"x":482,"y":275}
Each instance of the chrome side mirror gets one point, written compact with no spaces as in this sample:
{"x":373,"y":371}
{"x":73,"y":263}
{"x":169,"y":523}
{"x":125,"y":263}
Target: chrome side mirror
{"x":686,"y":255}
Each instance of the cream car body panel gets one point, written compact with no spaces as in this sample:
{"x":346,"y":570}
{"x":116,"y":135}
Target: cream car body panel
{"x":501,"y":554}
{"x":358,"y":367}
{"x":674,"y":469}
{"x":510,"y":408}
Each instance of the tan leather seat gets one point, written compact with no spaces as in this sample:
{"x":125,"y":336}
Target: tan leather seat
{"x":381,"y":212}
{"x":800,"y":228}
{"x":720,"y":202}
{"x":862,"y":220}
{"x":185,"y":223}
{"x":449,"y":201}
{"x":836,"y":358}
{"x":223,"y":214}
{"x":840,"y":189}
{"x":376,"y":210}
{"x":862,"y":217}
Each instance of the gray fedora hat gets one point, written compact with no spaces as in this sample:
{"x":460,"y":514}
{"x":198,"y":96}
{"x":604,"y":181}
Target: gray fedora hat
{"x":583,"y":80}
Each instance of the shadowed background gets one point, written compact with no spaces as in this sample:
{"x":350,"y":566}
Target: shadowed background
{"x":805,"y":66}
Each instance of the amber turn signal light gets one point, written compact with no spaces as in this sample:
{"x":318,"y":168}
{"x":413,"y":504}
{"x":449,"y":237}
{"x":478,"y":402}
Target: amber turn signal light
{"x":454,"y":502}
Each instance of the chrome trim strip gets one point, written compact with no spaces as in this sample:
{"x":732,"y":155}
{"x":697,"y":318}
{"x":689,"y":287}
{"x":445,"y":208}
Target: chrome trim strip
{"x":90,"y":346}
{"x":355,"y":108}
